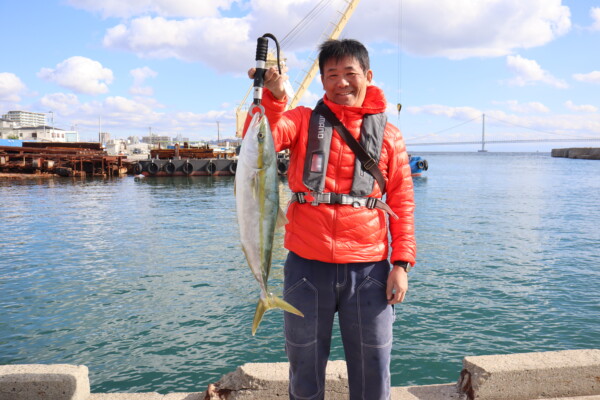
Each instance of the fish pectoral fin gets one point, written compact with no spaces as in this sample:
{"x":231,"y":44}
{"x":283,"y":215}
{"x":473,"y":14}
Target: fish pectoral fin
{"x":268,"y":303}
{"x":281,"y":218}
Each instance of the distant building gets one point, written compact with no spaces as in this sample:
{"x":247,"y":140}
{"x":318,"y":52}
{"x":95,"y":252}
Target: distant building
{"x":41,"y":134}
{"x":26,"y":118}
{"x":104,"y":137}
{"x":72,"y":136}
{"x":18,"y":128}
{"x":156,"y":139}
{"x":7,"y":129}
{"x":180,"y":139}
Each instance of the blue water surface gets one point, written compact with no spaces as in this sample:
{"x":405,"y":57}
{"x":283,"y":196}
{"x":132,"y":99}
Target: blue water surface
{"x":144,"y":280}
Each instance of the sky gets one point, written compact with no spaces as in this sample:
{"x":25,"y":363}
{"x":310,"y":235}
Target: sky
{"x":179,"y":67}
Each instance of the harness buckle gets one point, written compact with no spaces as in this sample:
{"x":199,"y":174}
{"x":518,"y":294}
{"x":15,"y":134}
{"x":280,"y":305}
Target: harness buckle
{"x":316,"y":199}
{"x":369,"y":164}
{"x":336,"y":198}
{"x":300,"y":197}
{"x":371,"y":202}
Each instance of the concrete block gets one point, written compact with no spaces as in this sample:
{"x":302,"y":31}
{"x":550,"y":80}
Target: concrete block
{"x":429,"y":392}
{"x":40,"y":382}
{"x":527,"y":376}
{"x":267,"y":381}
{"x":574,"y":398}
{"x":184,"y":396}
{"x":126,"y":396}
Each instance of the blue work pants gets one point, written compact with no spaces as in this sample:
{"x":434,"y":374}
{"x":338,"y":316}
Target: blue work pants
{"x":357,"y":293}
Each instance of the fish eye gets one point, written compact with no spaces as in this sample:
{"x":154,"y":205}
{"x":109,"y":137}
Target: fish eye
{"x":260,"y":135}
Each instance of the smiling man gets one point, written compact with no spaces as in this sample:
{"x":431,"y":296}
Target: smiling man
{"x":339,"y":225}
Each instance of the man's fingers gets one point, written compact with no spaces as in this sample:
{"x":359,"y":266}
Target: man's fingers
{"x":396,"y":297}
{"x":389,"y":291}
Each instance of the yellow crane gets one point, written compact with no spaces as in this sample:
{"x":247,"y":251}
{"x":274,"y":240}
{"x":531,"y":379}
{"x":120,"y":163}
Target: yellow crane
{"x":338,"y":27}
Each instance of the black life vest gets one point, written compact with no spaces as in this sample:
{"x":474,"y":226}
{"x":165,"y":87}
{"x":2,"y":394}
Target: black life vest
{"x":320,"y":132}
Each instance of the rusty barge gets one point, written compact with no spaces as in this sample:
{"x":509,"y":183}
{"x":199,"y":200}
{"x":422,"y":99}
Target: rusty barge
{"x":60,"y":159}
{"x":186,"y":161}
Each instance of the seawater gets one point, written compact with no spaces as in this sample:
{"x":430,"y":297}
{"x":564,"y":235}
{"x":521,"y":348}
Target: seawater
{"x":144,"y":280}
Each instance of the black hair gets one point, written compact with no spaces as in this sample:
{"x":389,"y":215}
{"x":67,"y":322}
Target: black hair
{"x":338,"y":49}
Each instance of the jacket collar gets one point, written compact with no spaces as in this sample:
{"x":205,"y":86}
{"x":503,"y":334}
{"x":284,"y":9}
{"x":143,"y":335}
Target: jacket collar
{"x":374,"y":103}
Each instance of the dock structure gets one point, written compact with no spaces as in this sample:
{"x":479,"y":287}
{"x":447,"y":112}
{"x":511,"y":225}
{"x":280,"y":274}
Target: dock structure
{"x":580,"y":153}
{"x":63,"y":159}
{"x":557,"y":375}
{"x":182,"y":166}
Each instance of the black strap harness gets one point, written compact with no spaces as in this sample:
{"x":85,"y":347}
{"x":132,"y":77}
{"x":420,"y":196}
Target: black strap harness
{"x":345,"y":199}
{"x":317,"y":157}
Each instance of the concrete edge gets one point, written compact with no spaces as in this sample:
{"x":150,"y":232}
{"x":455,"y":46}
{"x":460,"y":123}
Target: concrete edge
{"x":498,"y":377}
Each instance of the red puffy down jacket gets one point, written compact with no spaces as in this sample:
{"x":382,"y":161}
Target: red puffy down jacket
{"x":342,"y":233}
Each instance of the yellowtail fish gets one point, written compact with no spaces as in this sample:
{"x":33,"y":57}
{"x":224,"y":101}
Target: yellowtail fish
{"x":258,"y":211}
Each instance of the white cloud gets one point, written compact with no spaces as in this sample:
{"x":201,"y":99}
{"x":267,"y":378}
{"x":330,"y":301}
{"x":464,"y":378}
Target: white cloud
{"x":581,"y":108}
{"x":119,"y":104}
{"x":595,"y":14}
{"x":463,"y":28}
{"x":61,"y":103}
{"x":309,"y":99}
{"x":592,"y":77}
{"x":10,"y":87}
{"x":166,"y":8}
{"x":80,"y":74}
{"x":485,"y":28}
{"x":141,"y":74}
{"x":527,"y":108}
{"x":530,"y":72}
{"x":464,"y":113}
{"x":221,"y":43}
{"x":139,"y":77}
{"x":503,"y":125}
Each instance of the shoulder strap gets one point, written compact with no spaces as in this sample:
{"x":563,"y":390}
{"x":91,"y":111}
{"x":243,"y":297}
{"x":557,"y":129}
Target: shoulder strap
{"x":366,"y":160}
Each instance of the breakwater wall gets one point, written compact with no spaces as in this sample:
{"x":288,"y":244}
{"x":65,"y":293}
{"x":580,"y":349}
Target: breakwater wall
{"x":583,"y":153}
{"x":569,"y":374}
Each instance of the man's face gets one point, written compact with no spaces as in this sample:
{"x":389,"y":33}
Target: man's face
{"x":345,"y":82}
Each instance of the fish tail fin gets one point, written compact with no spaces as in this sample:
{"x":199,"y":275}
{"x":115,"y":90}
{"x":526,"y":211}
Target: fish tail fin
{"x":269,"y":303}
{"x":276,"y":302}
{"x":261,"y":307}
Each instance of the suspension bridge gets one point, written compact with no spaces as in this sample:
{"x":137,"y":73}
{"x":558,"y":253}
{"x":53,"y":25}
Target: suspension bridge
{"x":542,"y":136}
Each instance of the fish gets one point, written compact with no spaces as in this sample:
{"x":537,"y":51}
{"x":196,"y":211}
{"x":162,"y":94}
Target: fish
{"x":258,"y":210}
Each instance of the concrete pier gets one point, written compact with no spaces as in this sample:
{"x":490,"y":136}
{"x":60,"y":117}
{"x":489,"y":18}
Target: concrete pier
{"x":582,"y":153}
{"x":564,"y":375}
{"x":37,"y":382}
{"x":531,"y":375}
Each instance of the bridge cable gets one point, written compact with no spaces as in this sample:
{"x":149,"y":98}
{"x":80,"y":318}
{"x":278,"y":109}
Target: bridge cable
{"x":534,"y":129}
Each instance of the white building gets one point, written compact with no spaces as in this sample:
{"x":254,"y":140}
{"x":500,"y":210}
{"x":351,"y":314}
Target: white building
{"x":40,"y":134}
{"x":26,"y":118}
{"x":7,"y":129}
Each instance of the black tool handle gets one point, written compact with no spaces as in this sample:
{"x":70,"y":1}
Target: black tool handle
{"x":262,"y":47}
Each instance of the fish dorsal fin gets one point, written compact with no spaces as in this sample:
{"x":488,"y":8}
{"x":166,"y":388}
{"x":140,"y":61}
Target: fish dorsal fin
{"x":281,"y":218}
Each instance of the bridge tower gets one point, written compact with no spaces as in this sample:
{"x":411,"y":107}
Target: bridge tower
{"x":483,"y":150}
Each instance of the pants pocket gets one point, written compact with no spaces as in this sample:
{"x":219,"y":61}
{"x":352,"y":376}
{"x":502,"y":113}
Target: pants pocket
{"x":301,"y":330}
{"x":376,"y":316}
